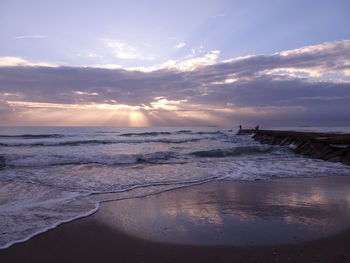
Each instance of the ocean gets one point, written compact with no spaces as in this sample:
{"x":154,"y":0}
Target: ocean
{"x":51,"y":175}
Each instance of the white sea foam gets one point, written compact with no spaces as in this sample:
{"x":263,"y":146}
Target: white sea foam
{"x":28,"y":209}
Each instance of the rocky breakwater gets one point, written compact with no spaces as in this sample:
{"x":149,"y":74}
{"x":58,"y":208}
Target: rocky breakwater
{"x":325,"y":146}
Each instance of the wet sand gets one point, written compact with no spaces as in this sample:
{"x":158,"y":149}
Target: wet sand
{"x":285,"y":220}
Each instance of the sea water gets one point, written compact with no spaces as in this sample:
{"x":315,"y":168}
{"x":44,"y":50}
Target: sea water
{"x":51,"y":175}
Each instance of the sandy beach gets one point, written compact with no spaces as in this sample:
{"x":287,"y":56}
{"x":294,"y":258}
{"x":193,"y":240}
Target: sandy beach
{"x":290,"y":220}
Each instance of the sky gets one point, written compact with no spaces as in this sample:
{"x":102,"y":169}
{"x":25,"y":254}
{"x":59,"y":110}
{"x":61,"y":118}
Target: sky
{"x":174,"y":63}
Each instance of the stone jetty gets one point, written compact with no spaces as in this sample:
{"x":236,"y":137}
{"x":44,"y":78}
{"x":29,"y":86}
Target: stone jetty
{"x":326,"y":146}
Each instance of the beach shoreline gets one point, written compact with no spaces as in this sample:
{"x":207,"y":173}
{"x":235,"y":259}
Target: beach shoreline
{"x":147,"y":229}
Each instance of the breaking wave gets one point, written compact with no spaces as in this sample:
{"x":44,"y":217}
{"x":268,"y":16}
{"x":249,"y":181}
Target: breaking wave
{"x":14,"y":160}
{"x":217,"y":153}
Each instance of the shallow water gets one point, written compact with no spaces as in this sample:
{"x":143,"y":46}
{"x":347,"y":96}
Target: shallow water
{"x":281,"y":211}
{"x":53,"y":175}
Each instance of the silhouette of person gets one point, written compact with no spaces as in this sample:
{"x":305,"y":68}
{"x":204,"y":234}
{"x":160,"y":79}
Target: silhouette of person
{"x":240,"y":127}
{"x":257,"y":127}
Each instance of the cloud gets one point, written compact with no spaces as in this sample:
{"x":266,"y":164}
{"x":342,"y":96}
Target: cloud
{"x":192,"y":63}
{"x":86,"y":93}
{"x":180,"y":45}
{"x":20,"y":62}
{"x":286,"y":88}
{"x":219,"y":15}
{"x":93,"y":55}
{"x":106,"y":66}
{"x":123,"y":51}
{"x":30,"y":36}
{"x":185,"y":64}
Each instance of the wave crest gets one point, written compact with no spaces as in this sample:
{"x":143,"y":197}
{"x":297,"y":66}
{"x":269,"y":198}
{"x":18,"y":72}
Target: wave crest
{"x":217,"y":153}
{"x":14,"y":160}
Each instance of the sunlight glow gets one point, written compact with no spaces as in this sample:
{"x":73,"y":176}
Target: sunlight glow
{"x":81,"y":114}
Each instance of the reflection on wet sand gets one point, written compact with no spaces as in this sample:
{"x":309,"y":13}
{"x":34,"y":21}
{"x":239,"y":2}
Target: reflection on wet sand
{"x":237,"y":213}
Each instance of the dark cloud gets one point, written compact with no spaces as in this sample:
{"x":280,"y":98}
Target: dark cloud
{"x":290,"y":87}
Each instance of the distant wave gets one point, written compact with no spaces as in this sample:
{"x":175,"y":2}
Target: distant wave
{"x":171,"y":133}
{"x":183,"y":131}
{"x":53,"y":143}
{"x":146,"y":139}
{"x":145,"y":134}
{"x":215,"y":132}
{"x":94,"y":142}
{"x":107,"y":132}
{"x":33,"y":136}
